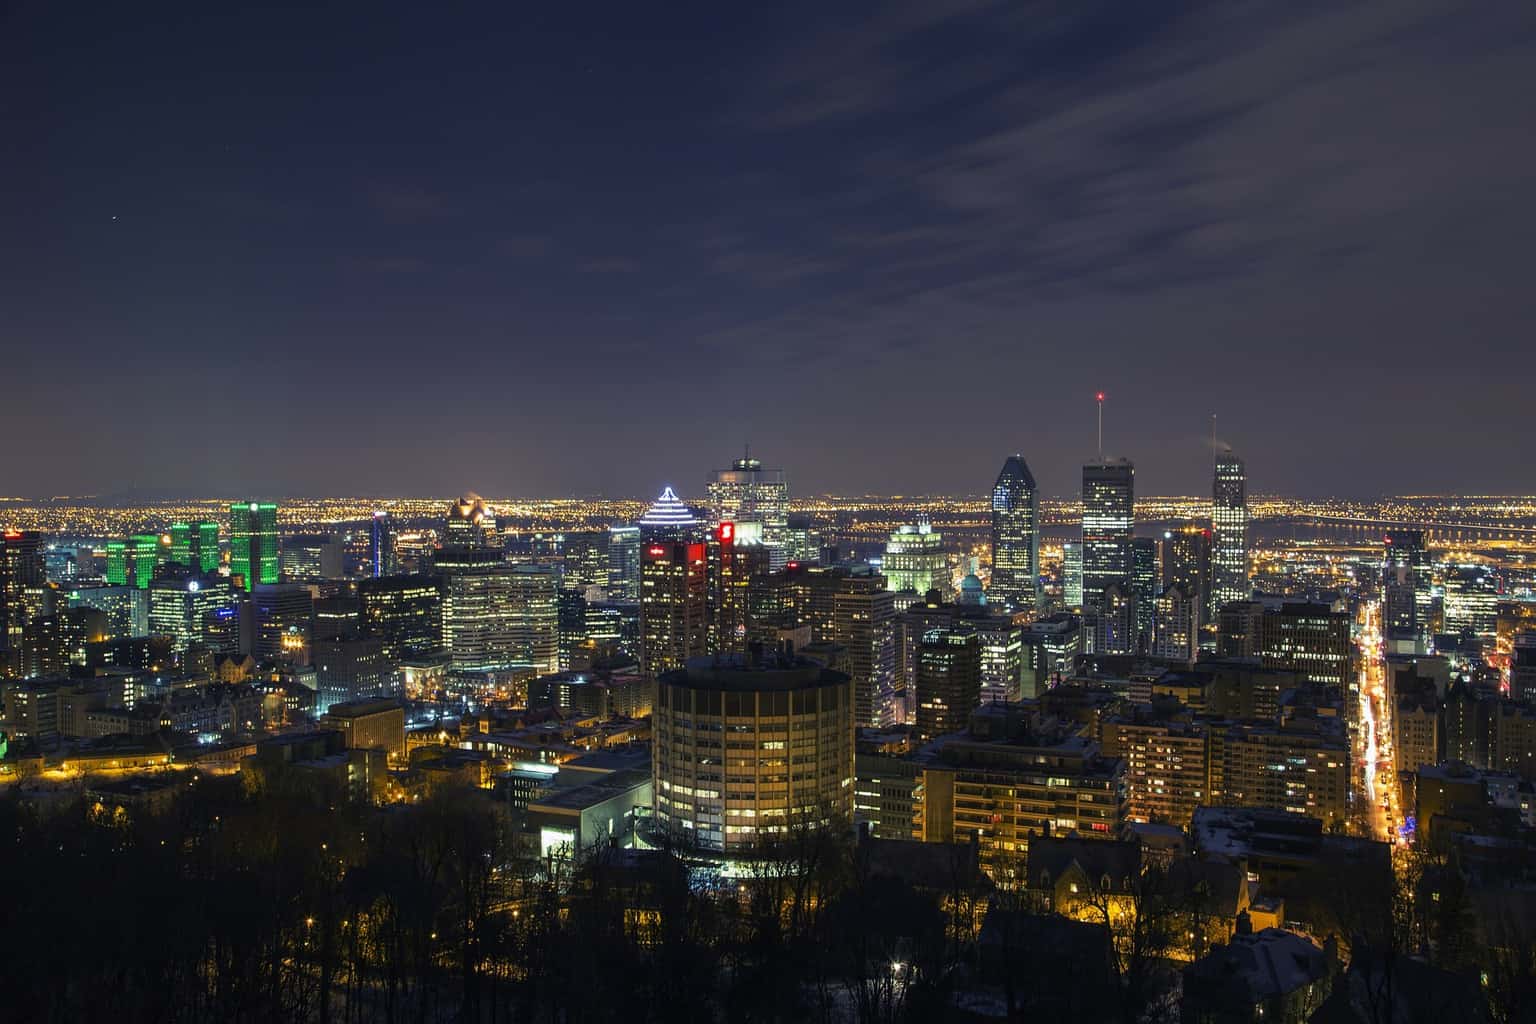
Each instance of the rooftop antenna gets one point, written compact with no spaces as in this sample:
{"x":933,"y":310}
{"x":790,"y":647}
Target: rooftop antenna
{"x":1100,"y":397}
{"x":1213,"y":441}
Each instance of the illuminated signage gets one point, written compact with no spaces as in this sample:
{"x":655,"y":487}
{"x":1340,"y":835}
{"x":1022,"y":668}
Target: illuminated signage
{"x":727,"y":531}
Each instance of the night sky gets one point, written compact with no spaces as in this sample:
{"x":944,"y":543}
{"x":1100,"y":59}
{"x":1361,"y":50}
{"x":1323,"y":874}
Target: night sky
{"x":590,"y":248}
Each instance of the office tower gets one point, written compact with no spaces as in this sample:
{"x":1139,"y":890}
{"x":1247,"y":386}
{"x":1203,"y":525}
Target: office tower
{"x":1112,"y":628}
{"x":749,"y":493}
{"x":1176,"y":625}
{"x":584,"y":559}
{"x":382,"y":557}
{"x":311,"y":556}
{"x":405,"y":612}
{"x":740,"y":611}
{"x":52,"y":644}
{"x":794,"y":714}
{"x":856,"y":612}
{"x":948,"y":681}
{"x":471,"y":526}
{"x":23,"y":585}
{"x":1016,"y":538}
{"x":624,"y":563}
{"x":1187,"y":564}
{"x":126,"y":609}
{"x":183,"y":604}
{"x":668,"y":519}
{"x":478,"y":622}
{"x":350,"y":668}
{"x":1072,"y":574}
{"x":1144,"y":588}
{"x":1310,"y":638}
{"x":1051,"y":646}
{"x":1229,"y":531}
{"x":132,"y":562}
{"x":1109,"y":496}
{"x":283,"y":622}
{"x":535,"y":597}
{"x":802,"y":541}
{"x":674,"y":599}
{"x":1471,"y":599}
{"x":915,"y":560}
{"x":253,"y":550}
{"x":574,"y":646}
{"x":195,"y":545}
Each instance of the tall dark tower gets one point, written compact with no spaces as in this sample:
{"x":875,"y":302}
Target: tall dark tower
{"x":1229,"y":531}
{"x":381,"y":546}
{"x":1016,"y":538}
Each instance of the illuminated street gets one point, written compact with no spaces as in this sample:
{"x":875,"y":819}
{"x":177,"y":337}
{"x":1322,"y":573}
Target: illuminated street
{"x":1380,"y":813}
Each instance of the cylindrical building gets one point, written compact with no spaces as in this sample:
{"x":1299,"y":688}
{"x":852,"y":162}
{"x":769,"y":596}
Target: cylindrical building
{"x":748,"y":749}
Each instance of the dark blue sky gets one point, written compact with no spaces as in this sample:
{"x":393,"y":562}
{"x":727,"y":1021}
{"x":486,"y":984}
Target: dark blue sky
{"x":410,"y":248}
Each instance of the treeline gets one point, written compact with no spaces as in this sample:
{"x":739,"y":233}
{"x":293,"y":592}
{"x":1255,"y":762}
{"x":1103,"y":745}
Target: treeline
{"x":235,"y":905}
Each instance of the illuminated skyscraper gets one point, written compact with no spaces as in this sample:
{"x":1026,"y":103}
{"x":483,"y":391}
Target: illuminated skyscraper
{"x":792,"y":716}
{"x":471,"y":525}
{"x":1406,"y":585}
{"x":1109,"y":503}
{"x":253,"y":550}
{"x":1072,"y":574}
{"x":948,"y":681}
{"x":23,"y":585}
{"x":132,"y":562}
{"x":382,"y":558}
{"x":1144,"y":587}
{"x":668,"y":518}
{"x":1229,"y":531}
{"x":1016,"y":538}
{"x":749,"y":493}
{"x":535,"y":596}
{"x":195,"y":545}
{"x":915,"y":559}
{"x":1187,"y":564}
{"x":183,"y":603}
{"x":674,"y":598}
{"x":624,"y":563}
{"x":406,"y":612}
{"x":1176,"y":625}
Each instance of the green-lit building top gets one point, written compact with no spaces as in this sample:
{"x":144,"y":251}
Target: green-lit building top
{"x":253,"y":553}
{"x":132,"y":562}
{"x":196,"y":545}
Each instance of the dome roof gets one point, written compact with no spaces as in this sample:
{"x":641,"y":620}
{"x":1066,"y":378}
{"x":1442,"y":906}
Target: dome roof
{"x":971,"y":591}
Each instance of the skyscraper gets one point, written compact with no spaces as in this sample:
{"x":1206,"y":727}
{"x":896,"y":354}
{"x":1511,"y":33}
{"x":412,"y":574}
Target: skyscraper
{"x":132,"y":562}
{"x":624,"y":563}
{"x":1144,"y":588}
{"x":195,"y":545}
{"x":471,"y":525}
{"x":1072,"y":573}
{"x":668,"y":519}
{"x":1109,"y":500}
{"x":1187,"y":564}
{"x":536,"y":616}
{"x":23,"y":585}
{"x":382,"y":559}
{"x":253,"y":550}
{"x":674,"y":600}
{"x":915,"y":559}
{"x":1229,"y":531}
{"x":1406,"y":585}
{"x":749,"y":493}
{"x":948,"y":681}
{"x":1016,"y":538}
